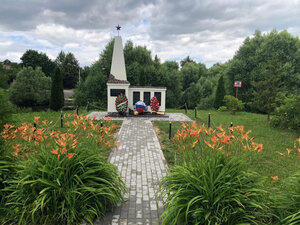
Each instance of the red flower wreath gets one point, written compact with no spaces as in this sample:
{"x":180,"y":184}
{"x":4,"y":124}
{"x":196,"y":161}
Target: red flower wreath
{"x":121,"y":103}
{"x":154,"y":104}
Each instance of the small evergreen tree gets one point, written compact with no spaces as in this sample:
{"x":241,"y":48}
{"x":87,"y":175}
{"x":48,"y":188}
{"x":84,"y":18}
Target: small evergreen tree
{"x":220,"y":93}
{"x":57,"y":92}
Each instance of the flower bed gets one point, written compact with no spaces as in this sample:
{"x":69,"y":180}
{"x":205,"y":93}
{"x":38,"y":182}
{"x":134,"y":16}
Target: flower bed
{"x":59,"y":176}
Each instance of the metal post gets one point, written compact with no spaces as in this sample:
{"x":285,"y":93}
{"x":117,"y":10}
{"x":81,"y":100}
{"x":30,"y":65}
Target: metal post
{"x":231,"y":124}
{"x":170,"y":130}
{"x":101,"y":124}
{"x":61,"y":119}
{"x":208,"y":120}
{"x":195,"y":112}
{"x":34,"y":125}
{"x":185,"y":108}
{"x":88,"y":106}
{"x":236,"y":92}
{"x":77,"y":110}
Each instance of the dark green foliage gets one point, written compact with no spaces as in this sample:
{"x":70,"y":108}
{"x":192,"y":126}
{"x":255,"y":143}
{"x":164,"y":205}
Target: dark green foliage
{"x":57,"y":92}
{"x":142,"y":78}
{"x":5,"y":109}
{"x":70,"y":71}
{"x":288,"y":114}
{"x":31,"y":88}
{"x":220,"y":93}
{"x":46,"y":190}
{"x":252,"y":58}
{"x":269,"y":90}
{"x":186,"y":60}
{"x":8,"y":75}
{"x":35,"y":59}
{"x":213,"y":190}
{"x":93,"y":88}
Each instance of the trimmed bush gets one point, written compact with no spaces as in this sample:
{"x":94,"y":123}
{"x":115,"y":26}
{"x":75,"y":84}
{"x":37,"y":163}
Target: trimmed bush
{"x":212,"y":190}
{"x":31,"y":88}
{"x":233,"y":104}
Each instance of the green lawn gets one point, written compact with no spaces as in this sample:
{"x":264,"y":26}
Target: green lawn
{"x":267,"y":163}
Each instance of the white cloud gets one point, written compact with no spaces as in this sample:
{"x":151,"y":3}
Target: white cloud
{"x":208,"y":31}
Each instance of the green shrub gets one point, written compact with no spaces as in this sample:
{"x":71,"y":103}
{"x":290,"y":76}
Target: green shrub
{"x":46,"y":190}
{"x":213,"y":190}
{"x":233,"y":104}
{"x":31,"y":88}
{"x":222,"y":109}
{"x":288,"y":114}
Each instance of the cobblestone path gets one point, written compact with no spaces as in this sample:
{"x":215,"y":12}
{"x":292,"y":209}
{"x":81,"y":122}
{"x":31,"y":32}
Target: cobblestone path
{"x":141,"y":163}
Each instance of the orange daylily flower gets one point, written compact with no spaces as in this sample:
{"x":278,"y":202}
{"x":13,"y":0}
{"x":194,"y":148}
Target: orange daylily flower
{"x":225,"y":139}
{"x":220,"y":128}
{"x":70,"y":155}
{"x":61,"y":142}
{"x":108,"y":118}
{"x":6,"y":126}
{"x":36,"y":118}
{"x":67,"y":124}
{"x":275,"y":178}
{"x":63,"y":150}
{"x":259,"y":147}
{"x":214,"y":139}
{"x":107,"y":143}
{"x":194,"y":143}
{"x":117,"y":143}
{"x":194,"y":124}
{"x":54,"y":151}
{"x":288,"y":150}
{"x":228,"y":153}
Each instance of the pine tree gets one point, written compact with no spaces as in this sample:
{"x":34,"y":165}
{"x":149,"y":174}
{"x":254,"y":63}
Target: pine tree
{"x":220,"y":93}
{"x":57,"y":92}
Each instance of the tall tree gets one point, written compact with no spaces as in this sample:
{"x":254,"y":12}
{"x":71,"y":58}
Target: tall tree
{"x":35,"y":59}
{"x":220,"y":93}
{"x":60,"y":58}
{"x":186,"y":60}
{"x":269,"y":90}
{"x":70,"y":70}
{"x":57,"y":90}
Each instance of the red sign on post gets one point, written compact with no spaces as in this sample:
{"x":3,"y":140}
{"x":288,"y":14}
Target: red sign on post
{"x":237,"y":84}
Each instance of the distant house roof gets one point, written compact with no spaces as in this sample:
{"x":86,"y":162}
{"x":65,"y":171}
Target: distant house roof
{"x":113,"y":80}
{"x":6,"y":62}
{"x":147,"y":87}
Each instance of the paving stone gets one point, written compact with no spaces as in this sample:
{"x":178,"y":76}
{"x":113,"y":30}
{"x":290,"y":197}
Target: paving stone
{"x":141,"y":164}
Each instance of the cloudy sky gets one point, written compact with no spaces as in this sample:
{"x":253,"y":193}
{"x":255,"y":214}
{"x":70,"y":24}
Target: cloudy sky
{"x":209,"y":31}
